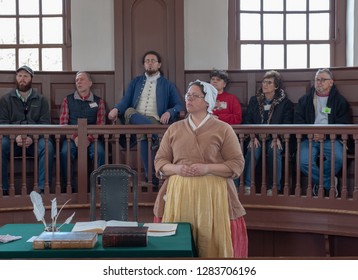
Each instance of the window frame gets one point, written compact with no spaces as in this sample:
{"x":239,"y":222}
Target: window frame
{"x":337,"y":40}
{"x":65,"y":46}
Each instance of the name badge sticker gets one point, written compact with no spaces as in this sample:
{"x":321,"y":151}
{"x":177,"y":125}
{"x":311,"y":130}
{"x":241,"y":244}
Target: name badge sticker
{"x":267,"y":107}
{"x":93,"y":105}
{"x":326,"y":110}
{"x":223,"y":105}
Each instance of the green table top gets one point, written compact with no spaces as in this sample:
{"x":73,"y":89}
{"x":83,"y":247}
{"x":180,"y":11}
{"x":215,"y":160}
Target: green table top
{"x":179,"y":245}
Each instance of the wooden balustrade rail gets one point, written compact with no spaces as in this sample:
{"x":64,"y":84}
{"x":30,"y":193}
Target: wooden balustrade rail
{"x":294,"y":209}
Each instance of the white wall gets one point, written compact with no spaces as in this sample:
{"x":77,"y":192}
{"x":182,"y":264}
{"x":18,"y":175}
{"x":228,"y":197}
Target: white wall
{"x":352,"y":37}
{"x":92,"y":24}
{"x":206,"y":34}
{"x":350,"y":32}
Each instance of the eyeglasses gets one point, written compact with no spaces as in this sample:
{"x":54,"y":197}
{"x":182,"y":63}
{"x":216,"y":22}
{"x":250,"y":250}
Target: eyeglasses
{"x":192,"y":96}
{"x":321,"y":80}
{"x":267,"y":82}
{"x":147,"y":61}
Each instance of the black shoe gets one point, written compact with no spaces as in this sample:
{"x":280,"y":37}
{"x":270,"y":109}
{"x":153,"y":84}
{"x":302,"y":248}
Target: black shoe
{"x":5,"y":192}
{"x":155,"y":181}
{"x":155,"y":144}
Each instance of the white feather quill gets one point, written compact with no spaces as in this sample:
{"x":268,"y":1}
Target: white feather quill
{"x":68,"y":220}
{"x":53,"y":213}
{"x":53,"y":209}
{"x":39,"y":209}
{"x":57,"y":214}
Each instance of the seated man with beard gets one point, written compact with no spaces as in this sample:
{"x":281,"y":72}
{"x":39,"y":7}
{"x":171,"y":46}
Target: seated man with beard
{"x":24,"y":105}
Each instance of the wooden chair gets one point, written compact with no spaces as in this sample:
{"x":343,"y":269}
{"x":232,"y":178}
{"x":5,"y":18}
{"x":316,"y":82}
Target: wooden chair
{"x":113,"y":183}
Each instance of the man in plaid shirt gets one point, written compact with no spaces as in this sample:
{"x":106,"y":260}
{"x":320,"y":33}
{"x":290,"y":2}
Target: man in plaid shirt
{"x":82,"y":104}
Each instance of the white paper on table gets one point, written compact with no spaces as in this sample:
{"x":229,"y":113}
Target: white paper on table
{"x":8,"y":238}
{"x":160,"y":229}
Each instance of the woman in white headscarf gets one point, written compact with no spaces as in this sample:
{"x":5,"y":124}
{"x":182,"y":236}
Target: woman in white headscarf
{"x":199,"y":157}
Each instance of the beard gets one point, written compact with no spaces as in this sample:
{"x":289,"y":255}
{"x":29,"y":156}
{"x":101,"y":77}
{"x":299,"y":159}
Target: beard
{"x":151,"y":72}
{"x":23,"y":87}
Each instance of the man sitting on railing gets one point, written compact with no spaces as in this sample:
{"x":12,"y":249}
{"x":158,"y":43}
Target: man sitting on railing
{"x":24,"y":105}
{"x":149,"y":99}
{"x":322,"y":105}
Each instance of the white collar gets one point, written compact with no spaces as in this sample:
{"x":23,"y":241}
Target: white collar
{"x":194,"y":127}
{"x":153,"y":77}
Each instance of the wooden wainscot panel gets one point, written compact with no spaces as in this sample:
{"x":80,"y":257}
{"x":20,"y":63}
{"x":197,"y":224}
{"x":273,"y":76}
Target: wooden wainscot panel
{"x":58,"y":93}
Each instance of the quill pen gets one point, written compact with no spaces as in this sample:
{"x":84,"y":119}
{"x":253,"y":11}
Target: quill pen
{"x":53,"y":213}
{"x":57,"y":214}
{"x":39,"y":209}
{"x":68,"y":220}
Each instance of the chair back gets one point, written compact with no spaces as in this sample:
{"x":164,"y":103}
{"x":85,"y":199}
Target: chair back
{"x":113,"y":183}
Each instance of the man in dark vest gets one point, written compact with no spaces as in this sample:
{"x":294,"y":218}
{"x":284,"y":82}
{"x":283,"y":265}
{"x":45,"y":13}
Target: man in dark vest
{"x":82,"y":104}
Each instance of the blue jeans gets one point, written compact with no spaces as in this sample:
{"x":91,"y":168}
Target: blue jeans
{"x":138,"y":119}
{"x":29,"y":152}
{"x":257,"y":155}
{"x":73,"y":155}
{"x":338,"y":160}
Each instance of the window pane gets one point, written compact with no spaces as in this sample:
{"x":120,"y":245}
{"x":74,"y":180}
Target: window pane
{"x":320,"y":56}
{"x":296,"y":5}
{"x":273,"y":57}
{"x":7,"y":59}
{"x":296,"y":56}
{"x":7,"y":7}
{"x":51,"y":7}
{"x":319,"y":26}
{"x":28,"y":7}
{"x":49,"y":36}
{"x":273,"y":27}
{"x":319,"y":5}
{"x":29,"y":57}
{"x":29,"y":31}
{"x":52,"y":59}
{"x":250,"y":57}
{"x":273,"y":5}
{"x":296,"y":27}
{"x":250,"y":5}
{"x":8,"y":34}
{"x":250,"y":27}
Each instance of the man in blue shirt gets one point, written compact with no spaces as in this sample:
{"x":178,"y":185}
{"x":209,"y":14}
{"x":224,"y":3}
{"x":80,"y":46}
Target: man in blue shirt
{"x":149,"y":99}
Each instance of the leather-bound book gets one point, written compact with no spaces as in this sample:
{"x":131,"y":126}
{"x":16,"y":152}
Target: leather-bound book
{"x":125,"y":237}
{"x":65,"y":240}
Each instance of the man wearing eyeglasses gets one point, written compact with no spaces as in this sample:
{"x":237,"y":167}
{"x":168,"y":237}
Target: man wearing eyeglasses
{"x":323,"y":104}
{"x":149,"y":99}
{"x":24,"y":105}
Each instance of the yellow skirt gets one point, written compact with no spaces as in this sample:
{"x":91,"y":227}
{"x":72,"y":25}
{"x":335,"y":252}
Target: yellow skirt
{"x":203,"y":202}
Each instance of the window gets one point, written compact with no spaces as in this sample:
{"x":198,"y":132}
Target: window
{"x":284,"y":34}
{"x":33,"y":32}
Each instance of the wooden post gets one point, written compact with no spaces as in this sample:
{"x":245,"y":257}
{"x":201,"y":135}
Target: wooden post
{"x":82,"y":161}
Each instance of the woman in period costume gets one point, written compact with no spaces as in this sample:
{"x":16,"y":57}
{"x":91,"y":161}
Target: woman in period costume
{"x":199,"y":157}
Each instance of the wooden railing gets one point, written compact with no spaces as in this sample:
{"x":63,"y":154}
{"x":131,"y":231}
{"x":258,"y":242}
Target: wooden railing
{"x":295,"y":209}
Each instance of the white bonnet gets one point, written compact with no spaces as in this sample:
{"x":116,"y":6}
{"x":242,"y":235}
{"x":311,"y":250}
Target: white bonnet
{"x":210,"y":94}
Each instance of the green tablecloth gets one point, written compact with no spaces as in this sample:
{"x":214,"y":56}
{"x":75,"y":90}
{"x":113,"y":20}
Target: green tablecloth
{"x":179,"y":245}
